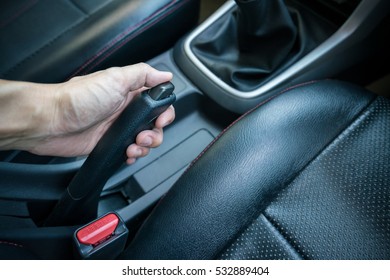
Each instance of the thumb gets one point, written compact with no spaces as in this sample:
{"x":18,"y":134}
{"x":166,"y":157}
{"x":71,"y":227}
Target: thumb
{"x":143,"y":75}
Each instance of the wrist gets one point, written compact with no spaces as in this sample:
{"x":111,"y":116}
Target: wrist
{"x":27,"y":110}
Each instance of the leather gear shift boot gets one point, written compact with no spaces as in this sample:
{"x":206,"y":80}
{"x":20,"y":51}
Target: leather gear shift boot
{"x":265,"y":32}
{"x":259,"y":39}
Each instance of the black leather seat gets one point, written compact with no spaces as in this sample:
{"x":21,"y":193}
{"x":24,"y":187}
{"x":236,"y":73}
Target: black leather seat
{"x":305,"y":175}
{"x":51,"y":41}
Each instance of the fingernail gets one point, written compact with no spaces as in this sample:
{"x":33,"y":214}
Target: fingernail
{"x":167,"y":122}
{"x":147,"y":141}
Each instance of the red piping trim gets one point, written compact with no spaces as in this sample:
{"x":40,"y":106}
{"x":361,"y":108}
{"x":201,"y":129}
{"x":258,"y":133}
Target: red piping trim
{"x":94,"y":60}
{"x":243,"y":116}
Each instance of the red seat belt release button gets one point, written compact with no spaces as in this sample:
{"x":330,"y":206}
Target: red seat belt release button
{"x":99,"y":230}
{"x":103,"y":238}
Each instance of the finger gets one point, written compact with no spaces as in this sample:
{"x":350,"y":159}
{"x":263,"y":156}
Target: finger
{"x":130,"y":161}
{"x":136,"y":151}
{"x":150,"y":138}
{"x":142,"y":75}
{"x":166,"y":118}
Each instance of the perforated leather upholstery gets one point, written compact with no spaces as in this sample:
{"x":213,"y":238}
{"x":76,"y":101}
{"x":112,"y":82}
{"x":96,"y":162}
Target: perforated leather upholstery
{"x":303,"y":176}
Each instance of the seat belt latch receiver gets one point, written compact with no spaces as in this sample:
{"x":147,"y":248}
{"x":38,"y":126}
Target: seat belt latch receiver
{"x":103,"y":238}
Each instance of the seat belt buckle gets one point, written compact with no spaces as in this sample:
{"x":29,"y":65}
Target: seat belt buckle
{"x":104,"y":238}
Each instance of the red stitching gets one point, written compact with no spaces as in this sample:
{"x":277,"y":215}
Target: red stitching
{"x":17,"y":14}
{"x":130,"y":38}
{"x":93,"y":59}
{"x":244,"y":115}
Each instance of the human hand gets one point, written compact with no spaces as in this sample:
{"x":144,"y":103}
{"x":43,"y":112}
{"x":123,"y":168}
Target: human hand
{"x":86,"y":106}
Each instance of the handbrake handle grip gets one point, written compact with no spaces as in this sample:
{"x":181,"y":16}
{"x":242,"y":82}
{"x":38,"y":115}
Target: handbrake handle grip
{"x":80,"y":202}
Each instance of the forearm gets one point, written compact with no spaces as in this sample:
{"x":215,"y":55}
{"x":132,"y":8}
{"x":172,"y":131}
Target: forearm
{"x":25,"y":114}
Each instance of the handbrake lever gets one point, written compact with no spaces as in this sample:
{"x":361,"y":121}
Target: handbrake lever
{"x":79,"y":203}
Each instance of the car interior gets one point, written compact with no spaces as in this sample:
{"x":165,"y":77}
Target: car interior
{"x":280,"y":147}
